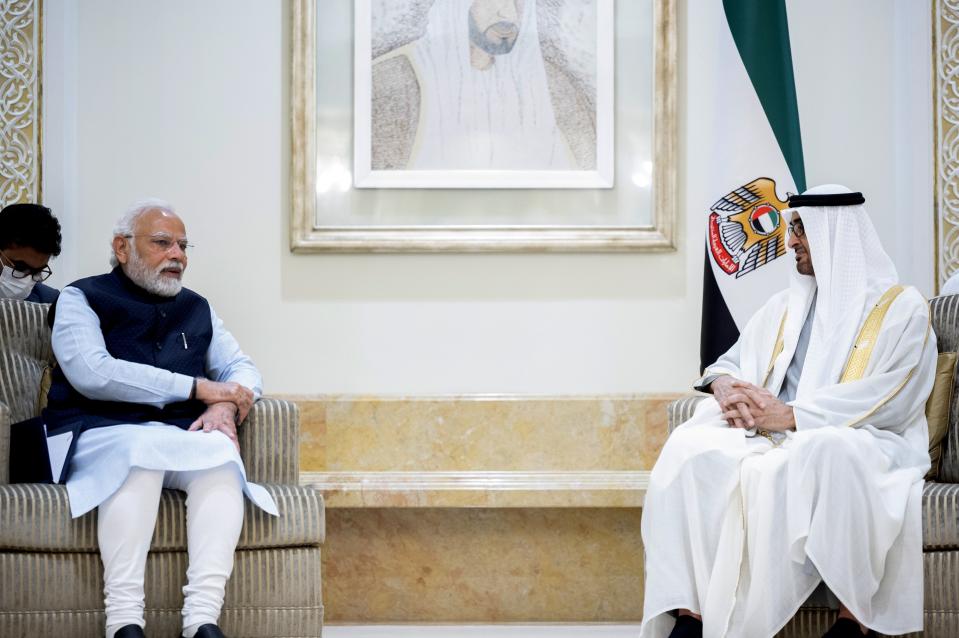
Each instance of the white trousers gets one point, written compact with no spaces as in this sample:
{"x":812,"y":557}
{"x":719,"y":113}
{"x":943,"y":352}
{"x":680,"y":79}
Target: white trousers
{"x":214,"y":517}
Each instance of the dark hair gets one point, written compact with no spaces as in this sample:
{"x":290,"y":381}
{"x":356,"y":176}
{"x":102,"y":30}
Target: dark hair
{"x":30,"y":226}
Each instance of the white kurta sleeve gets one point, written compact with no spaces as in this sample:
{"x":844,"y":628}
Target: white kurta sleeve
{"x":897,"y":382}
{"x":226,"y":362}
{"x":82,"y":354}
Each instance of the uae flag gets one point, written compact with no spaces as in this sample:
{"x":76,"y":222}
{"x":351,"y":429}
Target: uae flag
{"x":757,"y":147}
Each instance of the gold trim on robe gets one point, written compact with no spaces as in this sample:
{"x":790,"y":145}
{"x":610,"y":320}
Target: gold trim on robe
{"x":862,"y":350}
{"x":866,"y":339}
{"x":777,"y":349}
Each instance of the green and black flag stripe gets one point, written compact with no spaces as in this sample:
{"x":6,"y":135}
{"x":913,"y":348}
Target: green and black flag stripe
{"x":760,"y":34}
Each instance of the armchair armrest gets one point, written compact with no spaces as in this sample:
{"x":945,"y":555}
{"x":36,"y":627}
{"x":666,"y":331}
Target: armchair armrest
{"x":4,"y":444}
{"x":270,"y":442}
{"x":680,"y":410}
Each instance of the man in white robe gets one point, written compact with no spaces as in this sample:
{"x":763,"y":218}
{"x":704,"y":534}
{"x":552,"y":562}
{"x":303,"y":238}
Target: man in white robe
{"x":806,"y":466}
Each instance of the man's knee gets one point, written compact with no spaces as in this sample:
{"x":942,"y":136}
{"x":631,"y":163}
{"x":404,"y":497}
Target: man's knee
{"x":143,"y":479}
{"x":220,"y":478}
{"x":828,"y":448}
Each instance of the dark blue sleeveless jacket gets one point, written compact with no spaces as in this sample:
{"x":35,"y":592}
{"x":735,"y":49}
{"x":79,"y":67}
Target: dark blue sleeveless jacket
{"x":141,"y":327}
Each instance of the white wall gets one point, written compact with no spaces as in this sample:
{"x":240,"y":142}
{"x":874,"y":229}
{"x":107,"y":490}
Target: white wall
{"x":189,"y":101}
{"x":864,"y":78}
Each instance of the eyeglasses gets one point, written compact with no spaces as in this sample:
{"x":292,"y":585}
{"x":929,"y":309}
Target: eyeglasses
{"x":797,"y":229}
{"x":163,"y":243}
{"x":22,"y":270}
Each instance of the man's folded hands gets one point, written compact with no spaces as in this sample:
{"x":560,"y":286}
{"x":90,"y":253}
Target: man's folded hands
{"x":748,"y":406}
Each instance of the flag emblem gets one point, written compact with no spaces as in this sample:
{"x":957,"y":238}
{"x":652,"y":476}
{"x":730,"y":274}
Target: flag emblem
{"x":746,"y":229}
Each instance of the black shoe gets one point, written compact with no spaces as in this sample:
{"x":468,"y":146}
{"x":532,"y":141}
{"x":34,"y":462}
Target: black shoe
{"x":208,"y":630}
{"x":687,"y":627}
{"x":846,"y":628}
{"x":130,"y":631}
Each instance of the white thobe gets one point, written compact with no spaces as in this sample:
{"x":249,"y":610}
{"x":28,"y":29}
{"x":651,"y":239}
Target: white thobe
{"x":742,"y":530}
{"x":104,"y":456}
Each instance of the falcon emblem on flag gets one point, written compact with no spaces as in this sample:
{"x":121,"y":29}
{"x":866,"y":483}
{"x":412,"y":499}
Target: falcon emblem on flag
{"x":746,"y":229}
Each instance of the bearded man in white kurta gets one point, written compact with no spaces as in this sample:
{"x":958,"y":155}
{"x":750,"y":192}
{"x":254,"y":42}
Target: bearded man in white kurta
{"x":147,"y":395}
{"x":806,"y":465}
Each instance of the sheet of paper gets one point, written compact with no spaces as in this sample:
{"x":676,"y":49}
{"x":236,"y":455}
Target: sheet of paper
{"x":57,"y":448}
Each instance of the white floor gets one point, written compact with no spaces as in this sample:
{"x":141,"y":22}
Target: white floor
{"x":481,"y":631}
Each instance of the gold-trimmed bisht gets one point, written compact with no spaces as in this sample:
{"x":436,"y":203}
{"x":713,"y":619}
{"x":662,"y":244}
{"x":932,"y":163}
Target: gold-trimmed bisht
{"x":862,"y":350}
{"x":866,"y":339}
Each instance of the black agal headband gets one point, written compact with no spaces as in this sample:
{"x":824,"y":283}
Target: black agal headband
{"x":827,"y":199}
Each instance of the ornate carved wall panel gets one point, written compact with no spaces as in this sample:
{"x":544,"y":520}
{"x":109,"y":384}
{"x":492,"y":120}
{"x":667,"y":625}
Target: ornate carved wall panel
{"x":20,"y":42}
{"x":946,"y":51}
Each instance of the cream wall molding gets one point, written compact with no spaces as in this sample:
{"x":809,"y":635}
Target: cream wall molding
{"x":20,"y":93}
{"x":480,"y":488}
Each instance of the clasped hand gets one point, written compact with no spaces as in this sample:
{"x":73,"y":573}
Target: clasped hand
{"x":227,"y":405}
{"x":745,"y":405}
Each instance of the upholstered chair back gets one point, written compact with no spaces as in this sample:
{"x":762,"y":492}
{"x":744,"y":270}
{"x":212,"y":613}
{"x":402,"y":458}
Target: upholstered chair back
{"x":945,"y":321}
{"x":24,"y":353}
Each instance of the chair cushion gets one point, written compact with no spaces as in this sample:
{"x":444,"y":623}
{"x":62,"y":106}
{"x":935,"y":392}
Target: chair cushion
{"x":945,"y":321}
{"x":46,"y":380}
{"x":36,"y":517}
{"x":938,"y":407}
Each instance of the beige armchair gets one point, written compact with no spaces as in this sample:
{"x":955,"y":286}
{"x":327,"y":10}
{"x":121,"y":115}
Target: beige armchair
{"x":940,"y":508}
{"x":49,"y":563}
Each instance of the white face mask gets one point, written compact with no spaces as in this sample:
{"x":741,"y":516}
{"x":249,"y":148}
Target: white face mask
{"x":12,"y":287}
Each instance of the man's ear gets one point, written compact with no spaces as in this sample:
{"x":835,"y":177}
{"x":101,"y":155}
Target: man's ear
{"x":121,"y":248}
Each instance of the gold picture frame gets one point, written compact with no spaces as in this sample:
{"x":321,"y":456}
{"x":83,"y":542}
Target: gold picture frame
{"x":309,"y":236}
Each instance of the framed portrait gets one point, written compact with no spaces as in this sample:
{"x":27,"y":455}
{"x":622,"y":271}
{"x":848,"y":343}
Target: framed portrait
{"x":483,"y":125}
{"x":487,"y":94}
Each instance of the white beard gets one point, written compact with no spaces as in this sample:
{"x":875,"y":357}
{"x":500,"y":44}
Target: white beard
{"x":152,"y":280}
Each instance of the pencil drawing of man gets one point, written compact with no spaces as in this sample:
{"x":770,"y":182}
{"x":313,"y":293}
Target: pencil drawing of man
{"x":475,"y":88}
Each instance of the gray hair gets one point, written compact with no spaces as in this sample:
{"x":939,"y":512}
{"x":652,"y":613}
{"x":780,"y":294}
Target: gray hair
{"x":128,"y":220}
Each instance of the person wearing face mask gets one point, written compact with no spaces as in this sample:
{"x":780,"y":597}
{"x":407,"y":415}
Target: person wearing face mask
{"x":29,"y":238}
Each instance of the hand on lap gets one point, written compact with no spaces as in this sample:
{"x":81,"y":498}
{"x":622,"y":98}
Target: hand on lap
{"x":746,"y":405}
{"x":221,"y":417}
{"x":766,"y":411}
{"x":735,"y":405}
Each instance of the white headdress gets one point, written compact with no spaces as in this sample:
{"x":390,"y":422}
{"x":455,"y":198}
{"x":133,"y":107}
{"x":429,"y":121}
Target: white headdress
{"x":852,"y":271}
